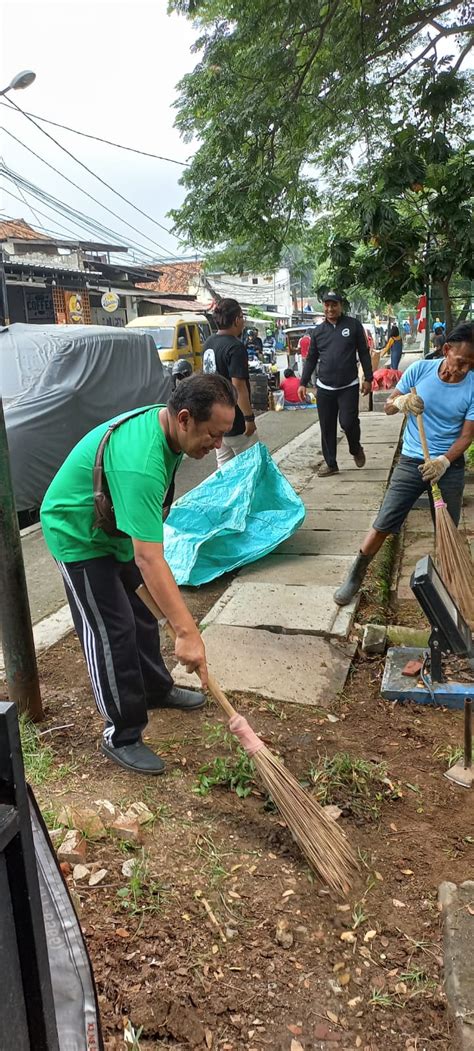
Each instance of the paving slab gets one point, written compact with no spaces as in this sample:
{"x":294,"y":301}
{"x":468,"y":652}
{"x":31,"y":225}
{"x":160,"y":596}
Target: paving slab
{"x":334,"y":495}
{"x":338,"y":520}
{"x":322,"y":542}
{"x":288,"y":609}
{"x":361,"y":476}
{"x":298,"y":669}
{"x":458,"y":927}
{"x":45,"y":584}
{"x":377,"y":456}
{"x":299,"y":569}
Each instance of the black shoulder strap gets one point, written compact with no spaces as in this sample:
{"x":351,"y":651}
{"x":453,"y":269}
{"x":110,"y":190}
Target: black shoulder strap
{"x":98,"y":477}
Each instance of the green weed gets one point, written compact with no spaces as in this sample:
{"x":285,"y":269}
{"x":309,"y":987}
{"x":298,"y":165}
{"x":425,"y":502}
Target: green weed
{"x":131,"y":1037}
{"x":356,"y":785}
{"x":50,"y":817}
{"x":141,"y":893}
{"x":213,"y":856}
{"x":379,"y":999}
{"x":449,"y":753}
{"x":216,"y":733}
{"x":235,"y":772}
{"x":38,"y":758}
{"x":358,"y":917}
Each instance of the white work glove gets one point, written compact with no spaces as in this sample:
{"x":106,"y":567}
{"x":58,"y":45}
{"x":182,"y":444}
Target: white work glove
{"x":409,"y":403}
{"x":433,"y":470}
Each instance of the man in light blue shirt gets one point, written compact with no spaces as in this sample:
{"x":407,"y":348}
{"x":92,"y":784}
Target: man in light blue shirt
{"x":445,"y":396}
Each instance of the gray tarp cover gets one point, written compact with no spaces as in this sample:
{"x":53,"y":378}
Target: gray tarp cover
{"x":58,"y":382}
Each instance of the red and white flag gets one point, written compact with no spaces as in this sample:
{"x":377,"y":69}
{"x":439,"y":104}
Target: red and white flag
{"x":421,"y":314}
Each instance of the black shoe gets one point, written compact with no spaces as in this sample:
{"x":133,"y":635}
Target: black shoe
{"x":359,"y":457}
{"x":186,"y":700}
{"x":136,"y":757}
{"x":325,"y":470}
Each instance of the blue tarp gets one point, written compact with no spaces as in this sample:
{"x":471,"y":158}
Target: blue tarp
{"x":238,"y":515}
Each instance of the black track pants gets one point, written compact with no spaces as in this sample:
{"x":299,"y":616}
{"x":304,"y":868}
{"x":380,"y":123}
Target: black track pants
{"x":345,"y":404}
{"x":121,"y":643}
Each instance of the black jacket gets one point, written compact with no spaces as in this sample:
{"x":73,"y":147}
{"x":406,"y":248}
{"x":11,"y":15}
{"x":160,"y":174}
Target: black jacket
{"x":335,"y":349}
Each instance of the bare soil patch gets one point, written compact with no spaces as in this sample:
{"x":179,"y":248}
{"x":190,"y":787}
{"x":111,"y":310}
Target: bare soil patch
{"x":279,"y":964}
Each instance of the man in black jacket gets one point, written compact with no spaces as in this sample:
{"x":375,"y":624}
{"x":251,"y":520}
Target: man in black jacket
{"x":336,"y":344}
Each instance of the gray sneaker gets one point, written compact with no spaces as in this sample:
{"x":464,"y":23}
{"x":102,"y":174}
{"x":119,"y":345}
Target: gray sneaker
{"x":325,"y":470}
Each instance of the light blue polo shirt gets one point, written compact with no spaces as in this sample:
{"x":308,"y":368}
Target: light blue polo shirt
{"x":447,"y":406}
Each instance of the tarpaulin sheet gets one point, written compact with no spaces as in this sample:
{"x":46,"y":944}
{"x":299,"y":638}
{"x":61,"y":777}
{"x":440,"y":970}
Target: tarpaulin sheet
{"x":239,"y":514}
{"x":58,"y":382}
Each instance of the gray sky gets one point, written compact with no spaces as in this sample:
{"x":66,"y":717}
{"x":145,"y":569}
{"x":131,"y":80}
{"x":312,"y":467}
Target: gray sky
{"x":109,"y":69}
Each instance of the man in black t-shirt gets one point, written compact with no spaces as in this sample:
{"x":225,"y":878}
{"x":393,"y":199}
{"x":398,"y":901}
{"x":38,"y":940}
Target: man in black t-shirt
{"x":225,"y":353}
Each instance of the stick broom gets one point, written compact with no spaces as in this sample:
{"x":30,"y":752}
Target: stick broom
{"x":452,"y":554}
{"x":323,"y":844}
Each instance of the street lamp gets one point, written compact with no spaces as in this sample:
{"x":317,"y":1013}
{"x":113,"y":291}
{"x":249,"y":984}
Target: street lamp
{"x":20,"y":81}
{"x":19,"y":655}
{"x":17,"y":83}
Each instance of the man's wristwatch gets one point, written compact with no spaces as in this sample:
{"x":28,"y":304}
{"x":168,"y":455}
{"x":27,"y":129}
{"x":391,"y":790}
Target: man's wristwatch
{"x":249,"y":419}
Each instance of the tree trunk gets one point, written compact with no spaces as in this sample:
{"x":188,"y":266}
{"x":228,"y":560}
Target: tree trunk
{"x":447,"y":305}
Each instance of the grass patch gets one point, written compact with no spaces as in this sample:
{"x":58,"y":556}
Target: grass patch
{"x":384,"y":570}
{"x":38,"y":758}
{"x":141,"y":893}
{"x":357,"y":786}
{"x":470,"y":457}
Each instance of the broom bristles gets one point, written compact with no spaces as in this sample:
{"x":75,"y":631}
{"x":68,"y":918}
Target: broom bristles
{"x":323,"y":844}
{"x":455,"y":563}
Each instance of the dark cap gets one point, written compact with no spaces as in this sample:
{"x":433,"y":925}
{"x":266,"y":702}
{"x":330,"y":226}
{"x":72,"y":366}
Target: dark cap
{"x":332,"y":297}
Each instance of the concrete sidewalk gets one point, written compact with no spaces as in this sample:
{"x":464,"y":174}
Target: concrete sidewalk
{"x":286,"y":598}
{"x":276,"y":630}
{"x":49,"y":613}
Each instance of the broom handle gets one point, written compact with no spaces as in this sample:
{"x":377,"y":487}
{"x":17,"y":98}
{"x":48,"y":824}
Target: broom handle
{"x":421,"y":429}
{"x":214,"y":688}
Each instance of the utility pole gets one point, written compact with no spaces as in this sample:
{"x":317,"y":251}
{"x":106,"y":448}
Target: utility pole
{"x":426,"y":345}
{"x":4,"y":312}
{"x":15,"y":621}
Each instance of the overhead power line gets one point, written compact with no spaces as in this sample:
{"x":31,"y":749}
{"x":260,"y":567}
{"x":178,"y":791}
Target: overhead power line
{"x":95,"y":176}
{"x":107,"y":142}
{"x":72,"y":213}
{"x":85,"y":192}
{"x":91,"y":226}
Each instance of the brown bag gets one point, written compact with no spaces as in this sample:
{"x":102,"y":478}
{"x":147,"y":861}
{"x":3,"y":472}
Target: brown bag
{"x":104,"y":517}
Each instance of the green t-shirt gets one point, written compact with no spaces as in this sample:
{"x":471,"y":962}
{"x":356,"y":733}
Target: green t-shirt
{"x":139,"y":466}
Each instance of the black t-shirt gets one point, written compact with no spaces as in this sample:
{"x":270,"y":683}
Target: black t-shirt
{"x":228,"y":356}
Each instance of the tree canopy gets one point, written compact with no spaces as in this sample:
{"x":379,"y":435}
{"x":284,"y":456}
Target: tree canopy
{"x":328,"y":110}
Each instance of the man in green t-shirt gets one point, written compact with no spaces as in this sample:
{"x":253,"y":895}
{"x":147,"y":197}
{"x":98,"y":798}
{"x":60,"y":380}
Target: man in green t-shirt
{"x":101,"y":572}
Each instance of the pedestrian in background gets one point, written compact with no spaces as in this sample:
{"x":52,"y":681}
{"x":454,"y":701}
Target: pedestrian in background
{"x":337,"y":344}
{"x":394,"y":347}
{"x":225,"y":354}
{"x":290,"y":386}
{"x":302,"y":350}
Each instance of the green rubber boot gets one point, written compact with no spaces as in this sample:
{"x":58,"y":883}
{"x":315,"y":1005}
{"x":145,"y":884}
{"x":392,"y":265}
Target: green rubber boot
{"x":353,"y":581}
